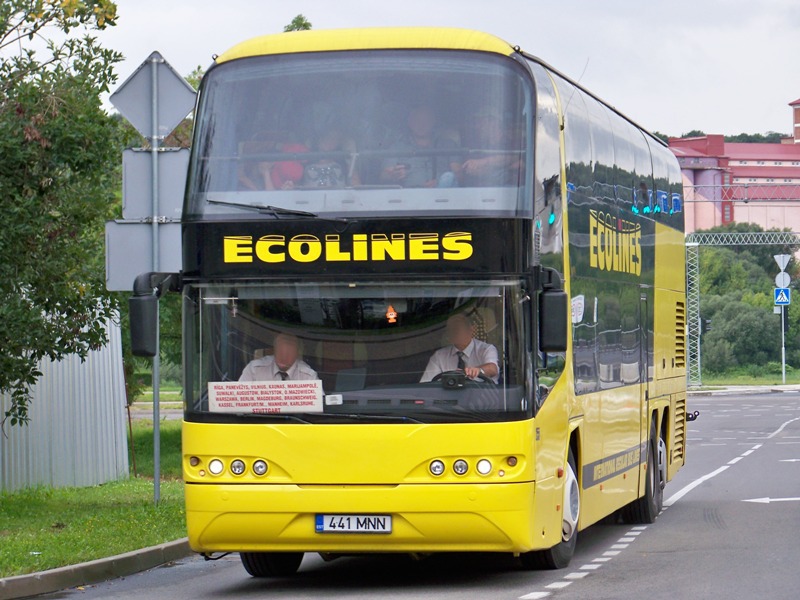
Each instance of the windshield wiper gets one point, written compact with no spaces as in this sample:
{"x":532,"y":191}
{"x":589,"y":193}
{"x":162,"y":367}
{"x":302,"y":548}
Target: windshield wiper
{"x":370,"y":417}
{"x":275,"y":211}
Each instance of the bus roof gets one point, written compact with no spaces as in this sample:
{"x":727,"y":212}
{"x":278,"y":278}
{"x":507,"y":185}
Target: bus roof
{"x":379,"y":38}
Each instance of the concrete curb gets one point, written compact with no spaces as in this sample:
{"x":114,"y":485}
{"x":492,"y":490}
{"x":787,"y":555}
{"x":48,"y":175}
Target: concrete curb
{"x":44,"y":582}
{"x":746,"y":390}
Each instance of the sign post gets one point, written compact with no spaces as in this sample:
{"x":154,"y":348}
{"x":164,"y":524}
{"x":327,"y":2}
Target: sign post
{"x":783,"y":298}
{"x":155,"y":99}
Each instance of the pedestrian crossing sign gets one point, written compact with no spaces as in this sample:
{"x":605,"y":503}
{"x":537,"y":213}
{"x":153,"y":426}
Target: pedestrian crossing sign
{"x":783,"y":296}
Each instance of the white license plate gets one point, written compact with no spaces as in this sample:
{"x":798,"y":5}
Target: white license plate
{"x":353,"y":524}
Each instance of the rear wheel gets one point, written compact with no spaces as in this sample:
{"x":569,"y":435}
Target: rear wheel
{"x":647,"y":508}
{"x":560,"y":555}
{"x":271,"y":564}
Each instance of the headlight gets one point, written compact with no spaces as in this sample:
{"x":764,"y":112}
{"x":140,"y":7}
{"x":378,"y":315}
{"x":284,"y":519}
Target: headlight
{"x":460,"y":466}
{"x":237,"y":467}
{"x":437,"y":467}
{"x":259,"y":467}
{"x":484,"y":466}
{"x":215,"y":467}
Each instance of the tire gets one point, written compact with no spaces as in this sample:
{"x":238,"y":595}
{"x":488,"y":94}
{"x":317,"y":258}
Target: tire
{"x":560,"y":555}
{"x":647,"y":508}
{"x":271,"y":564}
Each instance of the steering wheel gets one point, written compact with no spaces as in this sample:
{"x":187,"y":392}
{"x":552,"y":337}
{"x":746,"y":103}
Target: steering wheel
{"x":481,"y":376}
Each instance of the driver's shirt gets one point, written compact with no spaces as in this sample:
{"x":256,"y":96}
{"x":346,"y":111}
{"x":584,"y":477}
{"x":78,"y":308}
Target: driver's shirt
{"x":265,"y":369}
{"x":476,"y":354}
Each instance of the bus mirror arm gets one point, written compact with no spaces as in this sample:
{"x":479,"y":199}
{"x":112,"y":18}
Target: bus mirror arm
{"x":143,"y":310}
{"x":553,"y":311}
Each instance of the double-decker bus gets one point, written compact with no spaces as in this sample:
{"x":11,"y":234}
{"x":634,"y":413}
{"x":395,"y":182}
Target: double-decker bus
{"x":433,"y":301}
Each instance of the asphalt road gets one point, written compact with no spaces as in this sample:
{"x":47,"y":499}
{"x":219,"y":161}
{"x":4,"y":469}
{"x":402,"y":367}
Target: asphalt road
{"x":729,"y":530}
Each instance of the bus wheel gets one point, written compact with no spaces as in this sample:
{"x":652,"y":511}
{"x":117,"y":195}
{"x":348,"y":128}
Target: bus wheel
{"x":271,"y":564}
{"x":646,"y":508}
{"x":559,"y":555}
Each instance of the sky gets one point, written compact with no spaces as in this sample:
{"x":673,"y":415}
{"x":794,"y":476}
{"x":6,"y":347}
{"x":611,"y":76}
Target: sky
{"x":721,"y":66}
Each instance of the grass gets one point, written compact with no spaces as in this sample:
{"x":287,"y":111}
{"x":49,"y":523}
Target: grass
{"x":45,"y":528}
{"x":743,"y":378}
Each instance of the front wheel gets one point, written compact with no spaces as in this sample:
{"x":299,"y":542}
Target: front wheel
{"x":271,"y":564}
{"x":561,"y":554}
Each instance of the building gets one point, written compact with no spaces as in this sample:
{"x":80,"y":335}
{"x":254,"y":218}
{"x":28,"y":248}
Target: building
{"x":728,"y":182}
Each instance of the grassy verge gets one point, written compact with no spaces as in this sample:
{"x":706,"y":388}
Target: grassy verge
{"x":44,"y":528}
{"x":742,"y":378}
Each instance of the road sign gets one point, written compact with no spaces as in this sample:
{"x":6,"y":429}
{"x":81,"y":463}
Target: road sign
{"x":782,"y":280}
{"x":137,"y":188}
{"x":129,"y":251}
{"x":783,"y":296}
{"x":134,"y":98}
{"x":782,"y":260}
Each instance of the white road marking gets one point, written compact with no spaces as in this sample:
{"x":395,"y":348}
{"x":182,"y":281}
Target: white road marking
{"x":589,"y":567}
{"x":535,"y":596}
{"x":771,"y":500}
{"x":601,"y":559}
{"x":611,"y":552}
{"x":735,"y":460}
{"x":688,"y":488}
{"x":619,"y":546}
{"x":790,"y":460}
{"x":558,"y":585}
{"x":576,"y":575}
{"x":626,"y":540}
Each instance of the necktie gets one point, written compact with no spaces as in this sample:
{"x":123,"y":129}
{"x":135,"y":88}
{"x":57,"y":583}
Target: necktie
{"x":461,"y":364}
{"x":284,"y":375}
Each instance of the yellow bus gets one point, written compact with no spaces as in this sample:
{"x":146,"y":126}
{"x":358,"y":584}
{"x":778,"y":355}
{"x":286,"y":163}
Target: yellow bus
{"x":434,"y":301}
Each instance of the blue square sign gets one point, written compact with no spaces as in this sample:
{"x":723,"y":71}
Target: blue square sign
{"x":783,"y":296}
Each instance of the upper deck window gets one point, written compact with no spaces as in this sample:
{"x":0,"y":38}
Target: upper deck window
{"x":364,"y":134}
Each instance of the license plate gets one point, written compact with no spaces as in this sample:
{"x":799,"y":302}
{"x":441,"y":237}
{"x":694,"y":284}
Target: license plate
{"x":353,"y":524}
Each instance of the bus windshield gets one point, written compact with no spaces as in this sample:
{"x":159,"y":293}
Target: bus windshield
{"x":408,"y":351}
{"x":363,"y":133}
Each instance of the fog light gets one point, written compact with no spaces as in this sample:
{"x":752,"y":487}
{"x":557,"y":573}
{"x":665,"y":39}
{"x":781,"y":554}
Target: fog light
{"x":215,"y":467}
{"x":437,"y":467}
{"x":512,"y":461}
{"x":484,"y":466}
{"x":460,"y":466}
{"x":237,"y":467}
{"x":259,"y":467}
{"x":194,"y":461}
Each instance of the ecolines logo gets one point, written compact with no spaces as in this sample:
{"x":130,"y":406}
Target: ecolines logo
{"x":614,"y":244}
{"x":307,"y":248}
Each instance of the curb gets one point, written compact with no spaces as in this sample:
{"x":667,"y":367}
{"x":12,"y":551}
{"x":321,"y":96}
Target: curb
{"x":95,"y":571}
{"x":743,"y":391}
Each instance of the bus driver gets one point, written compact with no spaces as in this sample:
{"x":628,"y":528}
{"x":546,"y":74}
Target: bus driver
{"x":284,"y":364}
{"x":465,"y":353}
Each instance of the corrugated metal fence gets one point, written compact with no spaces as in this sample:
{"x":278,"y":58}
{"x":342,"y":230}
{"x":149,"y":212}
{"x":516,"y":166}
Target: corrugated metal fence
{"x":77,"y":432}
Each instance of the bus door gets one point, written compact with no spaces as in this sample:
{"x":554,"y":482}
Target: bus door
{"x":644,"y":360}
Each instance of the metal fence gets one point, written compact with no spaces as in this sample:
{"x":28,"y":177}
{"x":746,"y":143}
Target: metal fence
{"x":77,"y":431}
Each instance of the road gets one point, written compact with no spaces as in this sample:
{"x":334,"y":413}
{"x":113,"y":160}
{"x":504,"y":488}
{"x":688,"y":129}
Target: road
{"x":729,"y":530}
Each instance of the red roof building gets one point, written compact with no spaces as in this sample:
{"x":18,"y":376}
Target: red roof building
{"x":729,"y":182}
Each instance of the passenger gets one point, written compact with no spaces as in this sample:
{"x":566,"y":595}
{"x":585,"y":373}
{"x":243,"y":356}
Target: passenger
{"x":465,"y":353}
{"x":422,"y":170}
{"x":490,"y":166}
{"x":284,"y":364}
{"x":270,"y":175}
{"x":331,"y":171}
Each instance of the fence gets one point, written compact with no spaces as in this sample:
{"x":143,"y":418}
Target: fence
{"x":77,"y":430}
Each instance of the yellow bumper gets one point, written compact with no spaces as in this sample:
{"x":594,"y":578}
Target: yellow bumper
{"x":425,"y":518}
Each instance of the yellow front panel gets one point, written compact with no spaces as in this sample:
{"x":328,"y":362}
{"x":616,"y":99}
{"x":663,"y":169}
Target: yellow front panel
{"x":365,"y":469}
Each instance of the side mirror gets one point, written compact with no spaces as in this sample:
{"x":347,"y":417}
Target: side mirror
{"x":553,"y":311}
{"x":553,"y":319}
{"x":143,"y":311}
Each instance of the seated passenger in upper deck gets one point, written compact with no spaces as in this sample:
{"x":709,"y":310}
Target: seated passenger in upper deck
{"x":412,"y":169}
{"x":335,"y":170}
{"x":495,"y":160}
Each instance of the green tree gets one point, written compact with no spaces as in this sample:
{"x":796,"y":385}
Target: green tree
{"x":299,"y":23}
{"x":56,"y":189}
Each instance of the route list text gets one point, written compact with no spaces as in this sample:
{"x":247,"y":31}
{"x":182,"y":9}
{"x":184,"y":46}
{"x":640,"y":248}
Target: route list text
{"x":265,"y":396}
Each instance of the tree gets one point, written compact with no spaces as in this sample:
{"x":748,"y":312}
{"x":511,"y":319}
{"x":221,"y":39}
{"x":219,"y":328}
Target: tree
{"x":56,"y":187}
{"x":299,"y":23}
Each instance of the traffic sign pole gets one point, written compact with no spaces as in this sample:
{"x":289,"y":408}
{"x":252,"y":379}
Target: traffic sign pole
{"x":154,"y":62}
{"x":783,"y":296}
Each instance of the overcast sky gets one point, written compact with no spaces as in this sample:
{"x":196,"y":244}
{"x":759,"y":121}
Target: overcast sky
{"x":722,"y":66}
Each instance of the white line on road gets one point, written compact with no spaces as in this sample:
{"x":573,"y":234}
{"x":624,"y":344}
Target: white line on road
{"x":688,"y":488}
{"x":735,"y":460}
{"x":771,"y":500}
{"x":535,"y":596}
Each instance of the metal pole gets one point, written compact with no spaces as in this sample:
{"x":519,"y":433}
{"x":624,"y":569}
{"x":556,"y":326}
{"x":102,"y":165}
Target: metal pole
{"x":156,"y":359}
{"x":783,"y":346}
